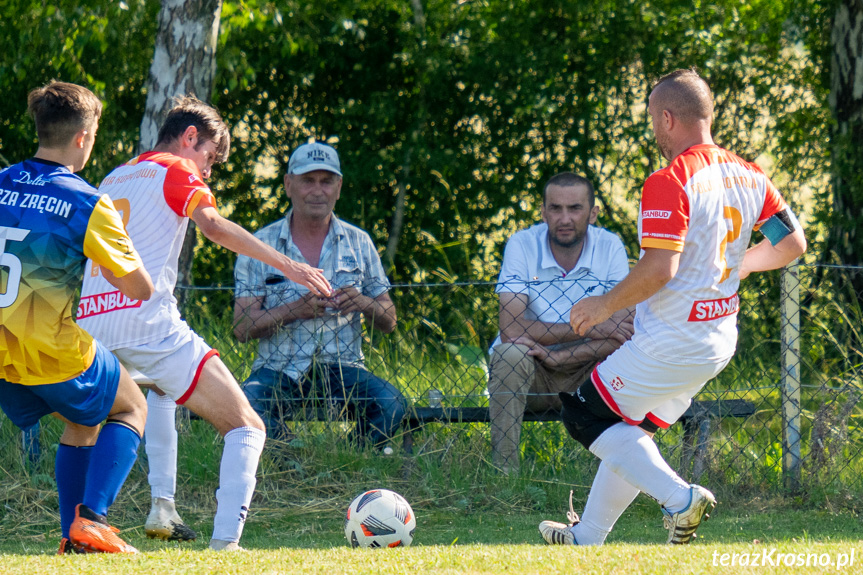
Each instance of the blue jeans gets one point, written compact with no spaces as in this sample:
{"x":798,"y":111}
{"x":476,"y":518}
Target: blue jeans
{"x":375,"y":403}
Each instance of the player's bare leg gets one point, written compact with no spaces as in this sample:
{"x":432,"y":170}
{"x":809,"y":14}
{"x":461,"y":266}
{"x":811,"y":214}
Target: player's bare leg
{"x":219,"y":399}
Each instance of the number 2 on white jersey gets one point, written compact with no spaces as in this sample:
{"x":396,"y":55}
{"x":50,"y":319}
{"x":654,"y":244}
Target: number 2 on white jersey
{"x":733,"y":214}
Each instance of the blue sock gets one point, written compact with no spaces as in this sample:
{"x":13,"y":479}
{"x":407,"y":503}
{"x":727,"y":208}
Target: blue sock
{"x":113,"y":456}
{"x":70,"y":472}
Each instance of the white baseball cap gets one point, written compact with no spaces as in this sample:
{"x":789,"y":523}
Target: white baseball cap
{"x":314,"y":156}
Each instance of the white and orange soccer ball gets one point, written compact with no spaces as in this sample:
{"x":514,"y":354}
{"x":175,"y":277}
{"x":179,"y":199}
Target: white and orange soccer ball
{"x":380,"y":518}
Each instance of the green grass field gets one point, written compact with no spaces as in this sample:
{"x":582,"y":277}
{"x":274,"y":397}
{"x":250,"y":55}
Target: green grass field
{"x":470,"y":519}
{"x":451,"y":542}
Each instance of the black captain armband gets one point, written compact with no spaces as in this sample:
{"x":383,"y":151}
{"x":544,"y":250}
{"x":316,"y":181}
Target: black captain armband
{"x":780,"y":225}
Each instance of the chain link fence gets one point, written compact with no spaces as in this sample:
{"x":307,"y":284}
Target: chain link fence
{"x":781,"y":418}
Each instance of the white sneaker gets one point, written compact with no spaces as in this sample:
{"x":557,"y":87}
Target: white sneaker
{"x":682,"y":525}
{"x":164,"y":523}
{"x":221,"y":545}
{"x":556,"y":533}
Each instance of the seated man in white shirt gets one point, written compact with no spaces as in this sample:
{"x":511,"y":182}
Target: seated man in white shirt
{"x":545,"y":270}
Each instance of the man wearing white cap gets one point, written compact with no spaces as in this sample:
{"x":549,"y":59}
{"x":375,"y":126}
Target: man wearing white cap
{"x":310,"y":347}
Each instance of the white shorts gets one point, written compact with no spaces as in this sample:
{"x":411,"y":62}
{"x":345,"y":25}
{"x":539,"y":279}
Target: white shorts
{"x":173,"y":364}
{"x":636,"y":386}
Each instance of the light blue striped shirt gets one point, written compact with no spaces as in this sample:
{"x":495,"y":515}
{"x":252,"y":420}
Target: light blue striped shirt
{"x":348,"y":258}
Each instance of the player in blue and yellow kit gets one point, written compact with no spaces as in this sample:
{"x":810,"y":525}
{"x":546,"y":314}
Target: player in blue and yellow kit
{"x":51,"y":221}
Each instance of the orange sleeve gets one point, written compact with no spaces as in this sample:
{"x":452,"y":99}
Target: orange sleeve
{"x":185,"y":190}
{"x":664,"y":213}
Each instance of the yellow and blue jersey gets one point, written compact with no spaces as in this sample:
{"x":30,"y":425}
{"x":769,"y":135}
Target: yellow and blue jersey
{"x":51,"y":222}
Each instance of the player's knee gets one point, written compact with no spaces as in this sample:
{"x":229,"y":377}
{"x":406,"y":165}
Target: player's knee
{"x":583,"y":418}
{"x":79,"y":435}
{"x":131,"y":409}
{"x":252,"y":419}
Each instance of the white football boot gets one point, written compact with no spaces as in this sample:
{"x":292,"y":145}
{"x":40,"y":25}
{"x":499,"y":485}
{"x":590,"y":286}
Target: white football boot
{"x":682,"y":525}
{"x":556,"y":533}
{"x":164,"y":523}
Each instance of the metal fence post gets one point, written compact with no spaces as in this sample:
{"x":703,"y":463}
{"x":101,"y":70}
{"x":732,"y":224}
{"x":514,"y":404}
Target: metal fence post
{"x":790,"y":327}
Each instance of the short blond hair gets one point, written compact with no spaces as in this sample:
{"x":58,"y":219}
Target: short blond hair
{"x":60,"y":110}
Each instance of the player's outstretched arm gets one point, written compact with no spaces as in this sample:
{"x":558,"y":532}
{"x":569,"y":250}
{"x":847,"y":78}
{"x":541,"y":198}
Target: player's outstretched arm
{"x":229,"y":235}
{"x":134,"y":285}
{"x":765,"y":256}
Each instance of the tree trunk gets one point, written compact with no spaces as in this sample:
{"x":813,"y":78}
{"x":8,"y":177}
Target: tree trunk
{"x":846,"y":103}
{"x":184,"y":63}
{"x":401,"y":199}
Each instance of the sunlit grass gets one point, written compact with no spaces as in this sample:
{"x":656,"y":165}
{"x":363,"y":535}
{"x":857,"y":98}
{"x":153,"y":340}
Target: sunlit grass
{"x":471,"y":542}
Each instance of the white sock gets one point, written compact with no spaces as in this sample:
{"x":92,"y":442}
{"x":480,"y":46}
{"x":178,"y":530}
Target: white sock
{"x":160,"y":443}
{"x":609,"y":497}
{"x":630,"y":453}
{"x":243,"y":447}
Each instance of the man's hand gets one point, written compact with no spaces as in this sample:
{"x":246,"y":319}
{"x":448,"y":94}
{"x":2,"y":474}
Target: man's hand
{"x":524,"y":340}
{"x":349,"y":299}
{"x":543,"y":355}
{"x":311,"y":306}
{"x":587,"y":313}
{"x":540,"y":352}
{"x":593,"y":350}
{"x":619,"y":327}
{"x":308,"y":276}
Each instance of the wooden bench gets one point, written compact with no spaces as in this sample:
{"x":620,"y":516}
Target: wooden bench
{"x":696,"y":428}
{"x":696,"y":424}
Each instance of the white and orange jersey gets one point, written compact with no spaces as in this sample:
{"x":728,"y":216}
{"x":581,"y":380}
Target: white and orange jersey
{"x":705,"y":205}
{"x":155,"y":193}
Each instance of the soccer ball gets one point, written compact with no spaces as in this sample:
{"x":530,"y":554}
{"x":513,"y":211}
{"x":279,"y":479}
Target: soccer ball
{"x":380,"y":518}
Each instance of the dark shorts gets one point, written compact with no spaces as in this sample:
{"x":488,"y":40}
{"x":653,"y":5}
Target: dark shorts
{"x":586,"y":416}
{"x":85,"y":400}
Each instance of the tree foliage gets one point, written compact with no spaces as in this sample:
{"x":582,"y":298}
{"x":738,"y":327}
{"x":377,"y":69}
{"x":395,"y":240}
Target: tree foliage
{"x":465,"y":107}
{"x":475,"y":110}
{"x":846,"y":102}
{"x":104,"y":45}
